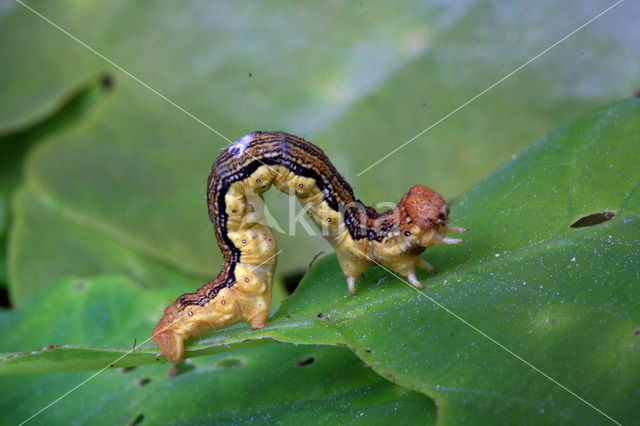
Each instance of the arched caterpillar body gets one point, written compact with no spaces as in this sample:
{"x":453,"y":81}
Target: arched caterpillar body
{"x":360,"y":236}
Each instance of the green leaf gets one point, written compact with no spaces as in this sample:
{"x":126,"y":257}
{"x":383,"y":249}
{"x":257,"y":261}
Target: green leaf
{"x":562,"y":298}
{"x":64,"y":241}
{"x":356,"y":79}
{"x":271,"y":383}
{"x":103,"y":311}
{"x":79,"y":313}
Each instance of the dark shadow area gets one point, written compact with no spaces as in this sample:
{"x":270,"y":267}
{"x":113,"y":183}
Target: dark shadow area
{"x":180,"y":368}
{"x":14,"y":146}
{"x":4,"y":298}
{"x":292,"y":279}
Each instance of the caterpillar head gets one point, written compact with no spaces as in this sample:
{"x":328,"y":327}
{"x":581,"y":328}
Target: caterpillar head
{"x":430,"y":212}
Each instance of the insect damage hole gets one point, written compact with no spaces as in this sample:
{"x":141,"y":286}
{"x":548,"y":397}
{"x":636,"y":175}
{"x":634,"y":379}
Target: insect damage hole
{"x":136,"y":420}
{"x":229,"y":363}
{"x":142,"y":382}
{"x":593,"y":219}
{"x":305,"y":362}
{"x":107,"y":81}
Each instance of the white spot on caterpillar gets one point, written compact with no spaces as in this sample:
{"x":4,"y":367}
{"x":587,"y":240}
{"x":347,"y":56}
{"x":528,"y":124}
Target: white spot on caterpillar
{"x":238,"y":147}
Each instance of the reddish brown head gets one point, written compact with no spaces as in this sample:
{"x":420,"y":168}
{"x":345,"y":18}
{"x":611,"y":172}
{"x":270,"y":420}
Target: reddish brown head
{"x":425,"y":207}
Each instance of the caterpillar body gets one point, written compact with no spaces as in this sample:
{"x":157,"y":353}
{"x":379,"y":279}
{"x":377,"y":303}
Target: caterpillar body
{"x":360,"y":236}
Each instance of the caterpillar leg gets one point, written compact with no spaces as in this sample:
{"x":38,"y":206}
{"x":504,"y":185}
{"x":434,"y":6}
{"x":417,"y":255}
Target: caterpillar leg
{"x":448,"y":240}
{"x":351,"y":283}
{"x":414,"y":281}
{"x":426,"y":265}
{"x":259,"y":320}
{"x":453,"y":228}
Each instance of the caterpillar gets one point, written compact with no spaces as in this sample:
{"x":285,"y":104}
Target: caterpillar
{"x":360,"y":236}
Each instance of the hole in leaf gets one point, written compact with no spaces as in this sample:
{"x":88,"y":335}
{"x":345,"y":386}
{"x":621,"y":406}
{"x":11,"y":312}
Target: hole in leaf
{"x":307,"y":361}
{"x":107,"y":81}
{"x":291,"y":280}
{"x":229,"y":363}
{"x":127,"y":369}
{"x":180,"y":368}
{"x":593,"y":219}
{"x":143,"y":382}
{"x":79,"y":286}
{"x":136,"y":420}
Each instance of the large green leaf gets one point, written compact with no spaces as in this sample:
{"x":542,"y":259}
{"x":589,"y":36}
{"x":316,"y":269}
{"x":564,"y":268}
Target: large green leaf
{"x":107,"y":311}
{"x":271,"y":383}
{"x":562,"y":298}
{"x":357,"y":79}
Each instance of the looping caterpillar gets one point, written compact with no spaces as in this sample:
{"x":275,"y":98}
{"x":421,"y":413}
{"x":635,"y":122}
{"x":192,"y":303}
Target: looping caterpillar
{"x":360,"y":236}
